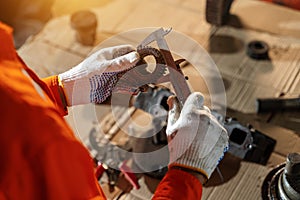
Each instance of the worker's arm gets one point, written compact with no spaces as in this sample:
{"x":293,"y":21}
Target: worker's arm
{"x":179,"y":184}
{"x":92,"y":80}
{"x":197,"y":142}
{"x":58,"y":93}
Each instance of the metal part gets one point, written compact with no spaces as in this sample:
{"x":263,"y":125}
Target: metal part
{"x":277,"y":104}
{"x":136,"y":79}
{"x":154,"y":101}
{"x":176,"y":77}
{"x":248,"y":143}
{"x":258,"y":50}
{"x":283,"y":182}
{"x":217,"y":11}
{"x":110,"y":159}
{"x":240,"y":138}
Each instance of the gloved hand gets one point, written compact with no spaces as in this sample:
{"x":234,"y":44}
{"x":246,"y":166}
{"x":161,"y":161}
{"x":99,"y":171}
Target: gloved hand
{"x":93,"y":80}
{"x":196,"y":140}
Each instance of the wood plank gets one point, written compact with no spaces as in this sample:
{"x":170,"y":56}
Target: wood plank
{"x":287,"y":140}
{"x":249,"y":186}
{"x":268,"y":17}
{"x":250,"y":78}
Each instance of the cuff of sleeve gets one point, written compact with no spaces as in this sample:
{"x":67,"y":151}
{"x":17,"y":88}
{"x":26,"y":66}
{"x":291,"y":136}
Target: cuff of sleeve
{"x":58,"y":94}
{"x":194,"y":169}
{"x":178,"y":184}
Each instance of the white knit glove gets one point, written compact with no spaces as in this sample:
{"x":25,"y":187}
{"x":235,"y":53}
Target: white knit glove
{"x":196,"y":139}
{"x":93,"y":80}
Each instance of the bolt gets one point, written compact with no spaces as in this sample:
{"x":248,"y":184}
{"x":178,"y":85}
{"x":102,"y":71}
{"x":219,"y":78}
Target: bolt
{"x":292,"y":167}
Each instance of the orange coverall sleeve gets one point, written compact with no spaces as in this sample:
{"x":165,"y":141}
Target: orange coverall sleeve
{"x":58,"y":94}
{"x":179,"y":185}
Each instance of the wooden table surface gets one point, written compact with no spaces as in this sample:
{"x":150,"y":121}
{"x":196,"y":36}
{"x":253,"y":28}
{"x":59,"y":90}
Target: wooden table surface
{"x":55,"y":50}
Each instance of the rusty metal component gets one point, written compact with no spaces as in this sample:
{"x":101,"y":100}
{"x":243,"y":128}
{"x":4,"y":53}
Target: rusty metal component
{"x":217,"y":11}
{"x":136,"y":79}
{"x":283,"y":182}
{"x":176,"y":76}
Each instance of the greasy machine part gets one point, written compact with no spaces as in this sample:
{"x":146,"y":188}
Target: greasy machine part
{"x":217,"y":11}
{"x":283,"y":182}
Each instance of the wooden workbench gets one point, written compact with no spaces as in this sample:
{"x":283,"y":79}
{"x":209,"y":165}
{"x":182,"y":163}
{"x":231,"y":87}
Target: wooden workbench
{"x":55,"y":50}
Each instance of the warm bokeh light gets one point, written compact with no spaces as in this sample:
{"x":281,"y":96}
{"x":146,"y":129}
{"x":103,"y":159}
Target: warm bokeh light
{"x":63,"y":7}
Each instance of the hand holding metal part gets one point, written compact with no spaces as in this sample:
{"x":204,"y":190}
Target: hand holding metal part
{"x":137,"y":79}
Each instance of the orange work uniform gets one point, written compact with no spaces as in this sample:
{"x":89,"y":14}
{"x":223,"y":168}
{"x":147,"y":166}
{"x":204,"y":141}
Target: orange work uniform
{"x":40,"y":158}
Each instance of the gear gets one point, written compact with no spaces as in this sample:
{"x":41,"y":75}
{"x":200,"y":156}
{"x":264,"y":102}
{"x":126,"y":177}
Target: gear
{"x":139,"y":76}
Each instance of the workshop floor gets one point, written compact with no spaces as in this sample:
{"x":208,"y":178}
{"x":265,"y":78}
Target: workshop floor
{"x":55,"y":50}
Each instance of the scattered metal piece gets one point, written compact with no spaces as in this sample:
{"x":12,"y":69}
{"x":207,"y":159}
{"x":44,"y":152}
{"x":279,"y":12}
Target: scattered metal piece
{"x":248,"y":143}
{"x":110,"y":159}
{"x":85,"y":24}
{"x":240,"y":138}
{"x":283,"y":182}
{"x":277,"y":104}
{"x":217,"y":11}
{"x":258,"y":50}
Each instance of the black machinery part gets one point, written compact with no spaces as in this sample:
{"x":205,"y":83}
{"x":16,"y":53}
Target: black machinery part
{"x":258,"y":50}
{"x":217,"y":11}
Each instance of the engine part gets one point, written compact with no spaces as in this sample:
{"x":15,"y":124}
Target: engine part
{"x":258,"y":50}
{"x":277,"y":104}
{"x":217,"y":11}
{"x":154,"y":101}
{"x":110,"y":159}
{"x":248,"y":143}
{"x":240,"y":138}
{"x":283,"y":182}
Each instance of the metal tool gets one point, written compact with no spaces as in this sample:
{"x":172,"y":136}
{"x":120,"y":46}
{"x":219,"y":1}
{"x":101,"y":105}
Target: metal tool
{"x":176,"y":76}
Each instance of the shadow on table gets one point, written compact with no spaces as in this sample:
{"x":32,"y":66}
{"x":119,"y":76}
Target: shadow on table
{"x":227,"y":168}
